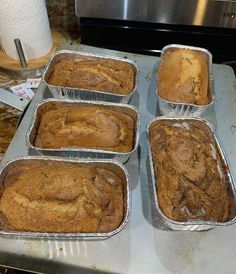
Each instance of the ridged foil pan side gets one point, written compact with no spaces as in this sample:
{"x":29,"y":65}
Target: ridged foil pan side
{"x":173,"y":109}
{"x":190,"y":225}
{"x":85,"y":94}
{"x":83,"y":152}
{"x":115,"y":166}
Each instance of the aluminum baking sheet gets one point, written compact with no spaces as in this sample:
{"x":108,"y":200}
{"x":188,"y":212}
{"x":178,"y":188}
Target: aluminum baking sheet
{"x":173,"y":109}
{"x":85,"y":94}
{"x":111,"y":165}
{"x":83,"y":152}
{"x":146,"y":244}
{"x":193,"y":225}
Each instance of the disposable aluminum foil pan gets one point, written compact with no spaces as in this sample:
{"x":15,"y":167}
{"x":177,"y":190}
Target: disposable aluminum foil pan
{"x":173,"y":109}
{"x":192,"y":225}
{"x":82,"y":152}
{"x":112,"y":165}
{"x":80,"y":93}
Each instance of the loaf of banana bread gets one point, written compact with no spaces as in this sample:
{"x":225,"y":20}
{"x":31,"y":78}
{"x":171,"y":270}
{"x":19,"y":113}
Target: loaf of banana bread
{"x":183,"y":76}
{"x":190,"y":174}
{"x":50,"y":196}
{"x":98,"y":74}
{"x":91,"y":126}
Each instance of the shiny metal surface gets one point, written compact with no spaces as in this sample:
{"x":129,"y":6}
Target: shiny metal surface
{"x":83,"y":152}
{"x":191,"y":225}
{"x":20,"y":53}
{"x":146,"y":244}
{"x":13,"y":100}
{"x":212,"y":13}
{"x":173,"y":109}
{"x":80,"y":93}
{"x":24,"y":73}
{"x":113,"y":165}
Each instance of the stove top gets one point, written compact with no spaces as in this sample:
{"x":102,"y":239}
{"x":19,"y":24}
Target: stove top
{"x":208,"y":13}
{"x":147,"y":26}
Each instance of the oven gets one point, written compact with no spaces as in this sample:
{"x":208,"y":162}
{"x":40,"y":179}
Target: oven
{"x":148,"y":25}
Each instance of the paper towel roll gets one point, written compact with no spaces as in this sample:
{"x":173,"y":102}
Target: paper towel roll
{"x":28,"y":21}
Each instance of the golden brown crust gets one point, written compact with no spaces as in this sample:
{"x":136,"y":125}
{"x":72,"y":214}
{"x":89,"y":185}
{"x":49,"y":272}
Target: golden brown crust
{"x":106,"y":75}
{"x":183,"y":77}
{"x":61,"y":197}
{"x":190,"y":173}
{"x":85,"y":126}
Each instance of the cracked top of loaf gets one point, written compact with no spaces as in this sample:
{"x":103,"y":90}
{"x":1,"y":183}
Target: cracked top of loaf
{"x":183,"y":76}
{"x":98,"y":127}
{"x":190,"y":175}
{"x":47,"y":196}
{"x":93,"y":73}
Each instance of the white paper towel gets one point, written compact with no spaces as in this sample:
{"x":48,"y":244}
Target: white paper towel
{"x":28,"y":21}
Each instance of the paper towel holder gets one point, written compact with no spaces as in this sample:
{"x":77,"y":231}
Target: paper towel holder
{"x":35,"y":67}
{"x":20,"y":53}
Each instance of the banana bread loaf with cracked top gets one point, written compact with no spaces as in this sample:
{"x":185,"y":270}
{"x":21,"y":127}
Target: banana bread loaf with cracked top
{"x":51,"y":196}
{"x":183,"y":76}
{"x":190,"y":175}
{"x":90,"y":126}
{"x":93,"y":73}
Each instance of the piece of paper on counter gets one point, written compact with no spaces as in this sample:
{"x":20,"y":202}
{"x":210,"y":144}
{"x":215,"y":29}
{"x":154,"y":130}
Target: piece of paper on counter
{"x":33,"y":83}
{"x":23,"y":90}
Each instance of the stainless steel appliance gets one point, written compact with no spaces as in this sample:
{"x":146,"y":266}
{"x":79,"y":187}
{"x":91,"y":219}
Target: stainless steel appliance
{"x":148,"y":25}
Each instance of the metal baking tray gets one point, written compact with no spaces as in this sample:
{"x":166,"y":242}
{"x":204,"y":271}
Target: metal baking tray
{"x":82,"y":152}
{"x":163,"y":250}
{"x":116,"y":167}
{"x":173,"y":109}
{"x":191,"y":225}
{"x":80,"y":93}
